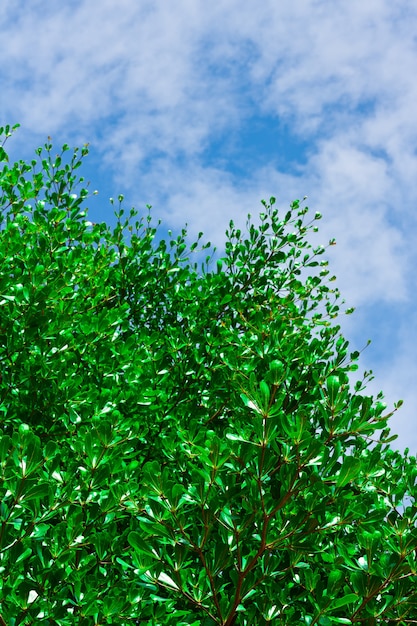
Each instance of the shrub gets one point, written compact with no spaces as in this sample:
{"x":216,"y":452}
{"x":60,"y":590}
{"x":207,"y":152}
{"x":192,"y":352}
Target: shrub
{"x":181,"y":442}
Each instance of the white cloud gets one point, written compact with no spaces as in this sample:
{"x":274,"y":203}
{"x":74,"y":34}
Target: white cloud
{"x":354,"y":188}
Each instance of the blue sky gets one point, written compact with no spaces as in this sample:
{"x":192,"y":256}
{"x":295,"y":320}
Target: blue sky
{"x":203,"y":109}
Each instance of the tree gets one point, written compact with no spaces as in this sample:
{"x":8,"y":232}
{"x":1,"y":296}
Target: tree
{"x":181,"y":441}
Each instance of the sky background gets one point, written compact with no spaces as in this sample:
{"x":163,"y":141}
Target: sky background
{"x":202,"y":109}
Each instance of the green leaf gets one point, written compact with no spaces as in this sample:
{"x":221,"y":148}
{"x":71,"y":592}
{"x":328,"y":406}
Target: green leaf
{"x":5,"y":444}
{"x":139,"y":545}
{"x":3,"y":155}
{"x":350,"y":598}
{"x":349,"y":471}
{"x":24,"y":555}
{"x":37,"y":491}
{"x":167,"y":581}
{"x":335,"y":578}
{"x":333,"y":386}
{"x":276,"y":369}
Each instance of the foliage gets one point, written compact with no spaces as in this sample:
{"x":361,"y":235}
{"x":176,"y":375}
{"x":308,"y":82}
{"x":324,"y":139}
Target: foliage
{"x":181,"y":443}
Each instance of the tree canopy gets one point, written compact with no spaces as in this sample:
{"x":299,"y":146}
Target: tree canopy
{"x":181,"y":440}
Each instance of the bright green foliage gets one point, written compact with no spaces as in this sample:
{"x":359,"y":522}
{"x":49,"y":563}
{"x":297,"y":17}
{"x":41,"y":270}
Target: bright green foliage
{"x":181,"y":444}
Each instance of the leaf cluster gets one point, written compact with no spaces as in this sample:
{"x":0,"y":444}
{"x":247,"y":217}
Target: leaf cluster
{"x":181,"y":442}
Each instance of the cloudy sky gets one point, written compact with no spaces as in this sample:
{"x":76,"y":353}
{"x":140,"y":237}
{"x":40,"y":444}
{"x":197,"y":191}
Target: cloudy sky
{"x":204,"y":108}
